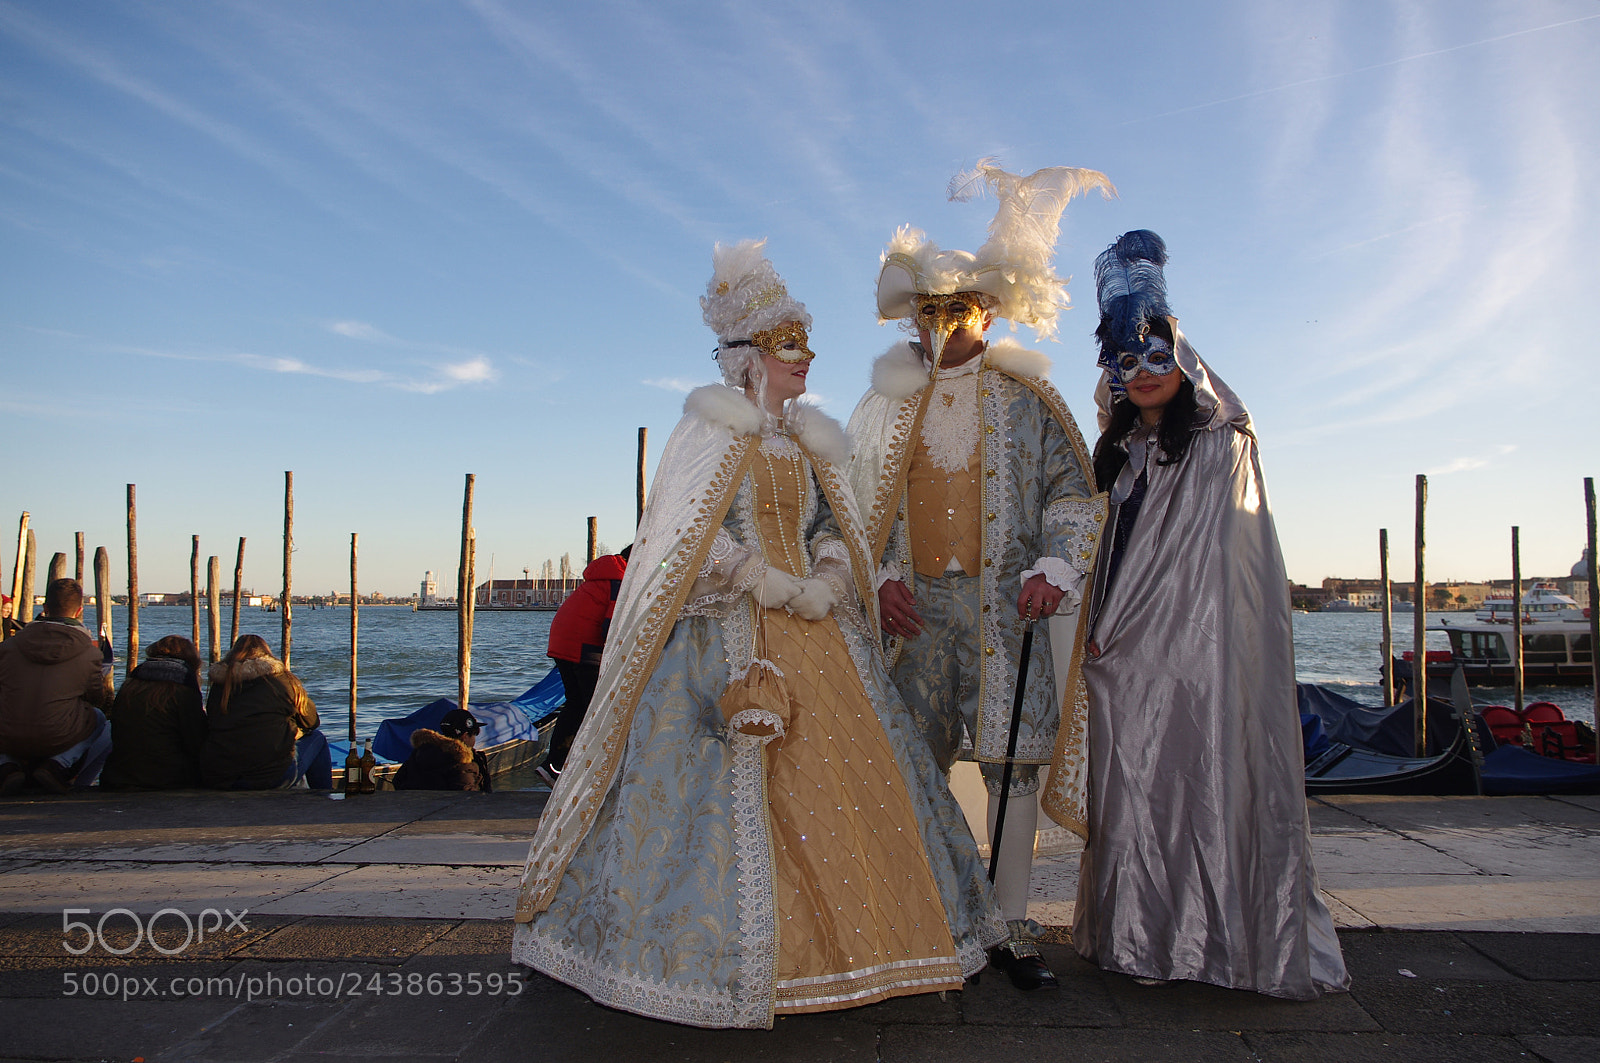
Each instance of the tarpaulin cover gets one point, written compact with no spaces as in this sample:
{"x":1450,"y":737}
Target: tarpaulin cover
{"x":1381,"y":730}
{"x":1514,"y":770}
{"x":502,"y":720}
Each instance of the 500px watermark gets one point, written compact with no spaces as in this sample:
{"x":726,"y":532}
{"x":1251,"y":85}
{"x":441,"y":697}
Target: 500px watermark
{"x":79,"y":936}
{"x":271,"y":986}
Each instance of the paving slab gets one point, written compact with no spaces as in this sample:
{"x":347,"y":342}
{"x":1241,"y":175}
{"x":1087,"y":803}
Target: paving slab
{"x":1380,"y":1047}
{"x":1542,"y":957}
{"x":354,"y":940}
{"x":147,"y":888}
{"x":526,"y":1028}
{"x":76,"y":1028}
{"x":1473,"y":902}
{"x":1192,"y":1005}
{"x":1469,"y":1007}
{"x":119,"y":938}
{"x":257,"y":1033}
{"x":406,"y":891}
{"x":965,"y":1044}
{"x":414,"y":845}
{"x":1562,"y":1049}
{"x":1410,"y":954}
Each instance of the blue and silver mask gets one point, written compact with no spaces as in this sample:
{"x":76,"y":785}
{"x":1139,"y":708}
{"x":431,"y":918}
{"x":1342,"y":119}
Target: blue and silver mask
{"x":1155,"y":359}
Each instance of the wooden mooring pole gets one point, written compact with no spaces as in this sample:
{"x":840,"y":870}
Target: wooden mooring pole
{"x":639,"y":506}
{"x":102,"y":593}
{"x":355,"y":623}
{"x":1516,"y":613}
{"x":238,"y":581}
{"x":1388,"y":618}
{"x":58,"y":569}
{"x":77,"y":572}
{"x":464,"y":591}
{"x":29,"y":572}
{"x":194,"y":593}
{"x":288,"y":568}
{"x":16,"y":571}
{"x":132,"y":649}
{"x":594,"y":540}
{"x":213,"y":610}
{"x":1594,"y":595}
{"x":1419,"y":634}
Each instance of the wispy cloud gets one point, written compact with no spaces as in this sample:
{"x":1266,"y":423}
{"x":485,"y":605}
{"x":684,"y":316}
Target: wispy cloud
{"x":673,"y":383}
{"x":1467,"y":463}
{"x":359,"y":330}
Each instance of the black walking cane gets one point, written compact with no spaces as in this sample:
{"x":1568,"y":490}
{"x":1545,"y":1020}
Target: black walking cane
{"x":1011,"y":748}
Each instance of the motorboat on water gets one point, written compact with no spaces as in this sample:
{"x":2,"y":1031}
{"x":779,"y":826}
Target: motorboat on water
{"x":1542,"y":602}
{"x":1554,"y":652}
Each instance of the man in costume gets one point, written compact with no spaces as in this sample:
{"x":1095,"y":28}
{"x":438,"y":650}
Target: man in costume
{"x":981,"y":512}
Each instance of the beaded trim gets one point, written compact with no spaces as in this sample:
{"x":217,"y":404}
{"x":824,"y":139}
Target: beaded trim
{"x":1083,"y":518}
{"x":758,"y":919}
{"x":692,"y":1006}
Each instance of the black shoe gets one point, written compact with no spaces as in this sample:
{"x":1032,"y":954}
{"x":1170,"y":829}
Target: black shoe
{"x":1026,"y":972}
{"x":12,"y":779}
{"x":53,"y":777}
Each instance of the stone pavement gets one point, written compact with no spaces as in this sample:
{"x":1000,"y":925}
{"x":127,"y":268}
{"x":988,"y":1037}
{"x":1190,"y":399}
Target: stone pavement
{"x":379,"y":928}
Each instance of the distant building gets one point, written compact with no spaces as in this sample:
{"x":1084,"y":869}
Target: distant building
{"x":524,"y":593}
{"x":430,"y":587}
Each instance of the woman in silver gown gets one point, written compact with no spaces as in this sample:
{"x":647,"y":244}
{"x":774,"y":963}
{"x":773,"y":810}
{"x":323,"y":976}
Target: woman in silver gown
{"x":1198,"y":863}
{"x":748,"y":823}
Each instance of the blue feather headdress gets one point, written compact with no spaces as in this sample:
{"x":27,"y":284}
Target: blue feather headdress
{"x":1132,"y":291}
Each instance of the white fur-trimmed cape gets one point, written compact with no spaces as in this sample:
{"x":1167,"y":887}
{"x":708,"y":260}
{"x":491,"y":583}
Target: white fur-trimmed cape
{"x":728,"y":408}
{"x":900,"y":371}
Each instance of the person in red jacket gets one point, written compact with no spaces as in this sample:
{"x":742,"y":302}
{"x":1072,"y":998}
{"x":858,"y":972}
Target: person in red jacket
{"x":577,"y":637}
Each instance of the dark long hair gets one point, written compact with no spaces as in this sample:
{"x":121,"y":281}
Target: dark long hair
{"x":1179,"y":421}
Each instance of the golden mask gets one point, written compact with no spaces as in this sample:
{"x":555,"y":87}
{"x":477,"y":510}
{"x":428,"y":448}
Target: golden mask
{"x":785,"y":342}
{"x":946,"y":313}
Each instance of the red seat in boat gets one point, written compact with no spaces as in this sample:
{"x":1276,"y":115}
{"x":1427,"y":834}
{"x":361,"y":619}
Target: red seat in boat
{"x":1503,"y":723}
{"x":1543,"y":712}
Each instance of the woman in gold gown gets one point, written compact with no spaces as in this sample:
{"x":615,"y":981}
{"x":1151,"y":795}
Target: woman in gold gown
{"x":748,"y":825}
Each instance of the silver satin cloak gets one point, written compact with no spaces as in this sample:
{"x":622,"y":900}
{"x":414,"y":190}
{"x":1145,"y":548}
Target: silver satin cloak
{"x":1198,"y":864}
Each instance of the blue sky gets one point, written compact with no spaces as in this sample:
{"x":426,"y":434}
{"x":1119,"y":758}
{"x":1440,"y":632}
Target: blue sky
{"x":384,"y":244}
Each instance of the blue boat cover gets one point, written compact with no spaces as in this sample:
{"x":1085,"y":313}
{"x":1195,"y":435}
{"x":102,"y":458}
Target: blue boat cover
{"x":1514,"y":770}
{"x":1389,"y":731}
{"x":1313,"y":736}
{"x":502,"y":720}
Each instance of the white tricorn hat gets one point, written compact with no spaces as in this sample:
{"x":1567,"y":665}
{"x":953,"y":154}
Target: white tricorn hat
{"x":1013,"y":270}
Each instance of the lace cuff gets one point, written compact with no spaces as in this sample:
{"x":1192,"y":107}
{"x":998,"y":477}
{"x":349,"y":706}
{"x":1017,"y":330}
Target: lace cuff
{"x":730,"y":570}
{"x":1061,"y":575}
{"x":889,"y":571}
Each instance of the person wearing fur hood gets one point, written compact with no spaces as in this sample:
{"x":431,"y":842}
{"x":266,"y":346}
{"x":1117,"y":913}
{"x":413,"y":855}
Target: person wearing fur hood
{"x":445,"y":759}
{"x":981,"y":513}
{"x":748,"y":824}
{"x":261,"y":725}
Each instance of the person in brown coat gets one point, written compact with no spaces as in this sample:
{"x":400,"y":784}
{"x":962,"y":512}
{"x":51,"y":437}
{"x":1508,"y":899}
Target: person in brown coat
{"x":158,"y":722}
{"x":261,"y":725}
{"x":445,"y":759}
{"x":54,"y":680}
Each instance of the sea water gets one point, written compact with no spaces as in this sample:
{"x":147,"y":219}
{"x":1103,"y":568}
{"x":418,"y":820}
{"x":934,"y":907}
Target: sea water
{"x":407,"y":659}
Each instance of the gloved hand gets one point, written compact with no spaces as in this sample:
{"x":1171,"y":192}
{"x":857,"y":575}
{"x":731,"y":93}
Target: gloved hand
{"x":775,"y":588}
{"x":815,"y":600}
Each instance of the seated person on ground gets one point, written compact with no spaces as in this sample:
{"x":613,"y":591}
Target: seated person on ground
{"x":54,"y":680}
{"x":445,"y":759}
{"x":261,"y":725}
{"x":158,"y":722}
